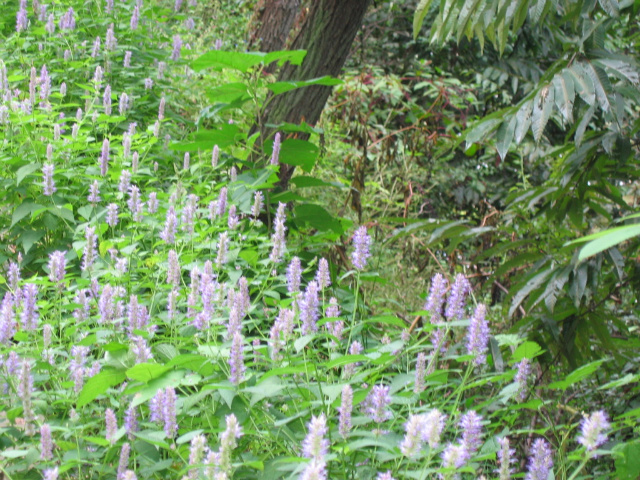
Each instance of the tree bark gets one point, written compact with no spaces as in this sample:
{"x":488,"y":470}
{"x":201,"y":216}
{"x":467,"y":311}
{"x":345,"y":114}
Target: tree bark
{"x":327,"y":34}
{"x":272,"y":22}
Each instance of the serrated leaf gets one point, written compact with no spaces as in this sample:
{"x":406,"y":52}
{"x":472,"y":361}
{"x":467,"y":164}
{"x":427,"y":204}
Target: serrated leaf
{"x":583,"y":84}
{"x":523,"y":121}
{"x":582,"y":126}
{"x":610,"y":6}
{"x":542,"y":106}
{"x":143,"y":372}
{"x":469,"y":8}
{"x":504,"y":136}
{"x":564,"y":95}
{"x":25,"y":170}
{"x":600,"y":83}
{"x":421,"y":11}
{"x":621,"y":69}
{"x":537,"y":10}
{"x":282,"y":87}
{"x":99,"y":384}
{"x":23,"y":210}
{"x":531,"y":285}
{"x":481,"y":130}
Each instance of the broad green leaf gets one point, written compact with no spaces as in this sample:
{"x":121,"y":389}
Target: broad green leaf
{"x":294,"y":57}
{"x":65,"y":212}
{"x":542,"y":106}
{"x":142,"y":394}
{"x":607,"y":239}
{"x":564,"y":95}
{"x":219,"y":59}
{"x":628,"y":461}
{"x":282,"y":87}
{"x":26,"y":170}
{"x":577,"y":375}
{"x":143,"y":372}
{"x":223,"y":136}
{"x":99,"y":384}
{"x":421,"y":11}
{"x":23,"y":210}
{"x":303,"y":181}
{"x":229,"y":93}
{"x":504,"y":136}
{"x":528,"y":350}
{"x":300,"y":153}
{"x":316,"y":217}
{"x":29,"y":238}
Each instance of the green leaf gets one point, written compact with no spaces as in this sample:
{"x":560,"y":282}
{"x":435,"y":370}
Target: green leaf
{"x":99,"y":384}
{"x":628,"y":461}
{"x":219,"y":59}
{"x":23,"y":210}
{"x":584,"y":123}
{"x":611,"y":7}
{"x":294,"y":57}
{"x":65,"y":212}
{"x":523,"y":121}
{"x":600,"y":83}
{"x":316,"y":217}
{"x":421,"y":11}
{"x":583,"y":84}
{"x":607,"y":239}
{"x":229,"y":93}
{"x":481,"y":130}
{"x":143,"y":372}
{"x":29,"y":238}
{"x":303,"y":181}
{"x":530,"y":286}
{"x":300,"y":153}
{"x":622,"y":69}
{"x":564,"y":95}
{"x":504,"y":136}
{"x":223,"y":136}
{"x":528,"y":350}
{"x":577,"y":375}
{"x":282,"y":87}
{"x":26,"y":170}
{"x":542,"y":105}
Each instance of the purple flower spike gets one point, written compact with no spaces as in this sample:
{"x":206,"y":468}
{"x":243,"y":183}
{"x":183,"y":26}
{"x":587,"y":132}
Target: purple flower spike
{"x":111,"y":425}
{"x":322,"y":276}
{"x":236,"y":359}
{"x":522,"y":378}
{"x":592,"y":428}
{"x":478,"y":335}
{"x":540,"y":461}
{"x":457,"y":298}
{"x":47,"y":180}
{"x":345,"y":409}
{"x":471,"y":424}
{"x":89,"y":254}
{"x":277,"y":238}
{"x":361,"y":243}
{"x":46,"y":444}
{"x":170,"y":226}
{"x":376,"y":403}
{"x":275,"y":154}
{"x":315,"y":446}
{"x":294,"y":272}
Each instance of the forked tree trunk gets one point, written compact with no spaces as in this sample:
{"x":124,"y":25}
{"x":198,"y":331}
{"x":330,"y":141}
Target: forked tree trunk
{"x":327,"y":33}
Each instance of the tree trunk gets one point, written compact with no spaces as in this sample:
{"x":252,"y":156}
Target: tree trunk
{"x":327,"y":34}
{"x":272,"y":23}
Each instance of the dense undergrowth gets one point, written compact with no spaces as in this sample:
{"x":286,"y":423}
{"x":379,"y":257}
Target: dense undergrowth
{"x":165,"y":314}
